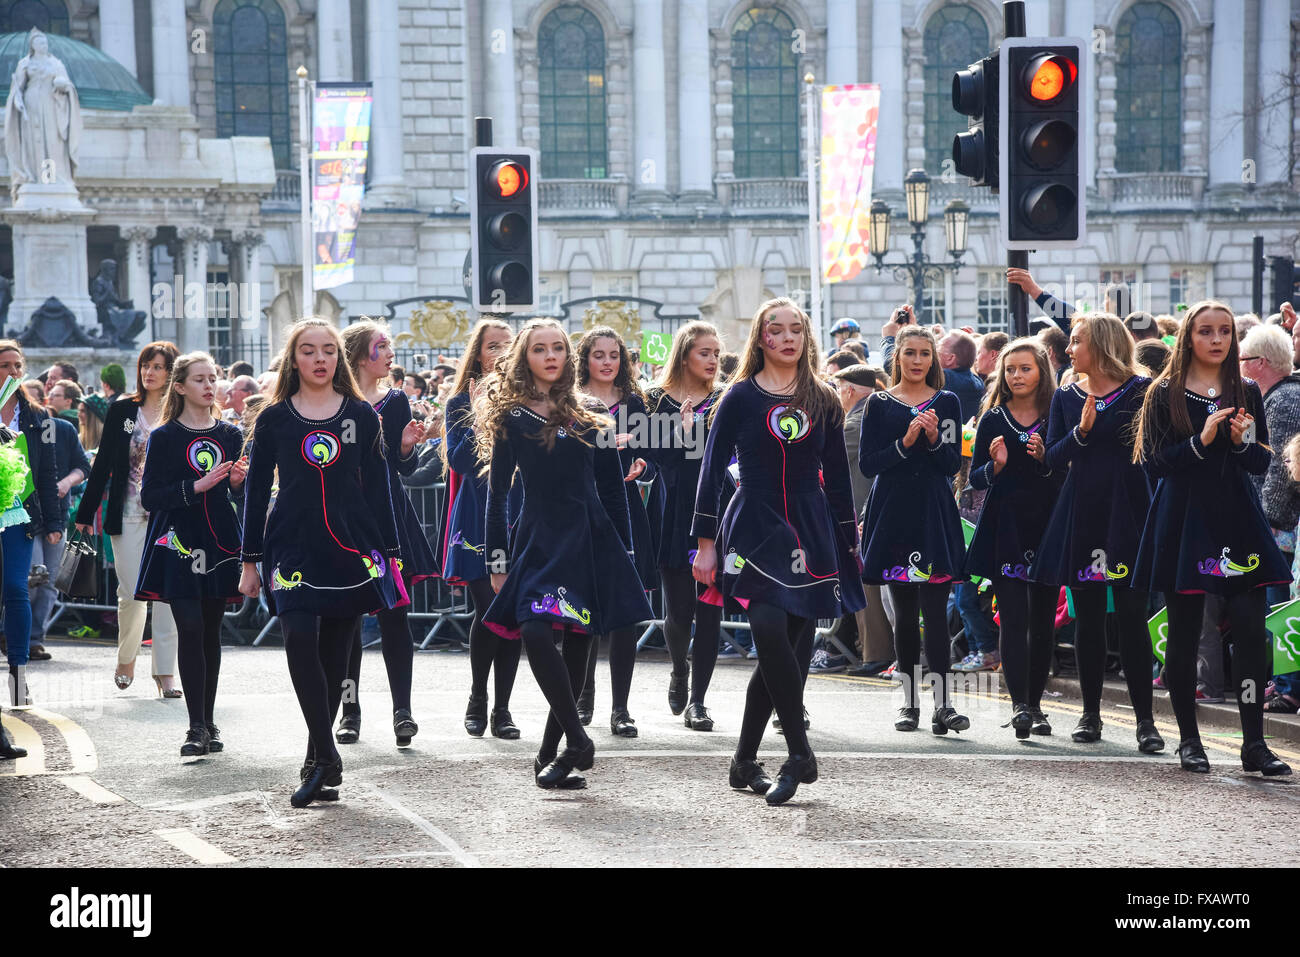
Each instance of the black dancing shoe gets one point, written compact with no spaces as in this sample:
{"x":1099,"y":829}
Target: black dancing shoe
{"x":404,"y":727}
{"x":568,"y":760}
{"x":1022,"y":719}
{"x":574,"y":782}
{"x":196,"y":742}
{"x":1088,"y":730}
{"x":698,"y":717}
{"x":476,"y":719}
{"x":8,"y":750}
{"x":587,"y":705}
{"x":947,"y":719}
{"x":807,"y":722}
{"x":908,"y":719}
{"x":1149,"y":740}
{"x":678,"y":693}
{"x":334,"y":779}
{"x":349,"y":729}
{"x":1191,"y":755}
{"x":795,"y":771}
{"x":1041,"y":725}
{"x":319,"y":776}
{"x":214,"y":739}
{"x":749,"y":774}
{"x":503,"y":726}
{"x":622,"y":725}
{"x":1256,"y":756}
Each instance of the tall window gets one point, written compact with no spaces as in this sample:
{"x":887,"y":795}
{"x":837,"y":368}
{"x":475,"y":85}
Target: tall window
{"x":19,"y":16}
{"x":765,"y":94}
{"x":991,"y":301}
{"x":933,"y":307}
{"x":1148,"y":90}
{"x":1119,"y":292}
{"x":955,"y":37}
{"x":252,"y":73}
{"x":571,"y":79}
{"x":1186,"y":286}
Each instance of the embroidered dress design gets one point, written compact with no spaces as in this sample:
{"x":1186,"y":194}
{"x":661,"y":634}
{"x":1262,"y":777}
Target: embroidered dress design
{"x":204,"y":455}
{"x":171,"y":541}
{"x":561,"y":607}
{"x":458,"y":539}
{"x":788,"y":423}
{"x":321,"y":448}
{"x":913,"y":573}
{"x":280,"y":583}
{"x":1225,"y":567}
{"x":1019,"y":570}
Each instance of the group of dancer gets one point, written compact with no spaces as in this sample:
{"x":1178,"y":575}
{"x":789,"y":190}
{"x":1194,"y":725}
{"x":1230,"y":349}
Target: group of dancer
{"x":549,"y":534}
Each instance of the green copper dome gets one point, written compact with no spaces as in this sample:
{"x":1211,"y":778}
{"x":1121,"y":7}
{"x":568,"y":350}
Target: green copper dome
{"x":102,"y":83}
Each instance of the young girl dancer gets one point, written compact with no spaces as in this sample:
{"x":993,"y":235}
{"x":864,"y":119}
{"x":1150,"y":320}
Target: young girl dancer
{"x":682,"y":401}
{"x":568,"y":564}
{"x":370,"y":356}
{"x":328,"y":552}
{"x":1091,"y":539}
{"x":787,"y":545}
{"x":605,"y":373}
{"x":1010,"y":462}
{"x":1202,"y":436}
{"x":461,"y":549}
{"x":912,"y":541}
{"x":191,"y":553}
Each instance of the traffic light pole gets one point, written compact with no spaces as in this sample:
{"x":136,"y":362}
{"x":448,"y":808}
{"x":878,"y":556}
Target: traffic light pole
{"x":1013,"y":25}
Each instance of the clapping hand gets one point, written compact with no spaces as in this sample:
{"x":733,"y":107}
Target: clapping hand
{"x":1088,"y":417}
{"x":1210,"y":431}
{"x":237,"y":472}
{"x":998,"y":453}
{"x":213,"y":477}
{"x":1239,"y":426}
{"x":412,"y":435}
{"x":1037,"y":448}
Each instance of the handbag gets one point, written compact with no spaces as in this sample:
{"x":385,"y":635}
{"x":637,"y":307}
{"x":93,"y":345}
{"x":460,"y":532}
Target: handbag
{"x":76,"y":576}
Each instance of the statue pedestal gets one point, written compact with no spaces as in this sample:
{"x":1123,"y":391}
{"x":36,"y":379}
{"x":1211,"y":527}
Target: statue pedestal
{"x":49,"y":241}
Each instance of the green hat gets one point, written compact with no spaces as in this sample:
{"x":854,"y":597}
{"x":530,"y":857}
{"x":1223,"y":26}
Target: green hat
{"x":97,"y":404}
{"x":112,"y":375}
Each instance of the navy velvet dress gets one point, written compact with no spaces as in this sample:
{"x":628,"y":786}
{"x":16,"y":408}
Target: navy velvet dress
{"x":417,"y":561}
{"x":679,"y":471}
{"x":1019,"y":500}
{"x":1092,"y":537}
{"x":911,"y":527}
{"x":629,"y":411}
{"x":328,"y":545}
{"x":569,"y":560}
{"x":783,"y":539}
{"x":191,"y":549}
{"x":1206,"y":530}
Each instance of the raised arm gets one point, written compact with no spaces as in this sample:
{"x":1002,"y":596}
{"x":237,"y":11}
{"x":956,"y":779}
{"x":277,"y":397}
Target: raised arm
{"x":713,"y":469}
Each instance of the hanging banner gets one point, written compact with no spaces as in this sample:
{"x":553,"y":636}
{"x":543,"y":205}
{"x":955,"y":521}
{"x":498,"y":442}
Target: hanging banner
{"x":848,"y":159}
{"x":340,"y":144}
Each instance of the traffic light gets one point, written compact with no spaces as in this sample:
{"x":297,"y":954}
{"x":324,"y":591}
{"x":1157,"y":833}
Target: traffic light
{"x":1042,"y":108}
{"x":975,"y":94}
{"x":503,"y":223}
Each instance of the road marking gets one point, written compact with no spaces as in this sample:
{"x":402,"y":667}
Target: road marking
{"x":395,"y":857}
{"x":24,"y":736}
{"x":91,"y":790}
{"x":1055,"y":842}
{"x":194,"y":846}
{"x":937,"y":755}
{"x":200,"y":804}
{"x":80,"y":747}
{"x":460,"y":854}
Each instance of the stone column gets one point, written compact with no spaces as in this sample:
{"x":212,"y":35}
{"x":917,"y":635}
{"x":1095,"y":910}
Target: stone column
{"x":138,"y":288}
{"x":171,"y":53}
{"x":915,"y":100}
{"x":1273,"y":126}
{"x":649,"y":107}
{"x":694,"y":142}
{"x":500,"y":98}
{"x":387,"y":184}
{"x":887,"y":70}
{"x":117,"y":31}
{"x":334,"y":39}
{"x":1079,"y":17}
{"x":1227,"y":83}
{"x":841,"y":42}
{"x":192,"y":312}
{"x":248,"y":254}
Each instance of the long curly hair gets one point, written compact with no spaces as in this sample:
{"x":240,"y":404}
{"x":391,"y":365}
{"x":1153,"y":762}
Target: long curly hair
{"x":287,"y":381}
{"x":811,"y":393}
{"x":513,"y":384}
{"x":624,"y":382}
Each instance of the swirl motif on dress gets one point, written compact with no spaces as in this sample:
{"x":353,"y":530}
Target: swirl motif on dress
{"x":321,"y":448}
{"x":789,"y":423}
{"x":204,"y":455}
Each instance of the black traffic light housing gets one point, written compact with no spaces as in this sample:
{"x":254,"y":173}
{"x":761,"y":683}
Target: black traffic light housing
{"x":1042,"y":111}
{"x":975,"y":94}
{"x":504,"y":258}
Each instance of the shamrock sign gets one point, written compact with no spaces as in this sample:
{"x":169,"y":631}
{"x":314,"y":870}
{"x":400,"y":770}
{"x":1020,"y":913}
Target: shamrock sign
{"x":1158,"y":626}
{"x":1284,"y":622}
{"x":654,"y":347}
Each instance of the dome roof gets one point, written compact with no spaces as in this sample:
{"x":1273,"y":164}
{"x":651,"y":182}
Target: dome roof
{"x":102,"y":83}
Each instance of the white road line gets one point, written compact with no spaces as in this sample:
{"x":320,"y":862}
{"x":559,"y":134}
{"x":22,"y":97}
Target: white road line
{"x":962,"y":840}
{"x":194,"y":846}
{"x":91,"y":790}
{"x":79,"y":744}
{"x":869,"y":755}
{"x":460,"y":854}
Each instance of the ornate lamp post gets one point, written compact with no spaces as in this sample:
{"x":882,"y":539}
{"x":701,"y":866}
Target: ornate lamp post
{"x":915,"y":271}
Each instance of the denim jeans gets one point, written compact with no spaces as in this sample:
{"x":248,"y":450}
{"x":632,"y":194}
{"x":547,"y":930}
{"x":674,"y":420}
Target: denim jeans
{"x":981,"y":635}
{"x":17,"y":603}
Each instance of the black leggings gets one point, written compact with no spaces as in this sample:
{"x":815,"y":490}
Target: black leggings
{"x":1027,"y":612}
{"x":1134,"y":645}
{"x":317,"y":649}
{"x":399,"y":660}
{"x":487,"y":648}
{"x":198,"y":622}
{"x":784,"y":645}
{"x":910,"y":603}
{"x":1250,"y":664}
{"x":560,"y":678}
{"x":681,"y":606}
{"x":622,"y":659}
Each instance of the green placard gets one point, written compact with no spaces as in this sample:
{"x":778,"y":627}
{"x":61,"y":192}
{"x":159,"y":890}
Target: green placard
{"x":1284,"y":622}
{"x":968,"y":533}
{"x":1158,"y":626}
{"x":654,"y":347}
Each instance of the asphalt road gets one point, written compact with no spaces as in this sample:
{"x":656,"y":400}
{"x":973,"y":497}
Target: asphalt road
{"x":105,"y":784}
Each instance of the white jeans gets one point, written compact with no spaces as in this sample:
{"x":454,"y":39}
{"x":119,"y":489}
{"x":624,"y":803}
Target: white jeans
{"x":128,"y":552}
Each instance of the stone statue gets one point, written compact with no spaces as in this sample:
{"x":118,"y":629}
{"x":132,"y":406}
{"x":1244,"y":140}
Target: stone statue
{"x":53,"y":326}
{"x":120,"y":320}
{"x":42,"y":118}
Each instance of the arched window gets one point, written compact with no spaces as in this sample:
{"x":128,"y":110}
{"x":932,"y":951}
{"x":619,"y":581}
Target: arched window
{"x":571,"y":92}
{"x":252,"y":73}
{"x":765,"y":94}
{"x":48,"y":16}
{"x":1148,"y":90}
{"x":955,"y":37}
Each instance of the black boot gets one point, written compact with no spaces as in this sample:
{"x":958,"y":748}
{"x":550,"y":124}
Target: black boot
{"x":1041,"y":725}
{"x":196,"y":741}
{"x":621,"y":724}
{"x":586,"y":705}
{"x":795,"y":771}
{"x":1256,"y":756}
{"x":698,"y":717}
{"x":349,"y":729}
{"x":570,"y":759}
{"x":318,"y":776}
{"x":476,"y":719}
{"x":908,"y":719}
{"x":503,"y":726}
{"x":1021,"y":721}
{"x":1149,"y":740}
{"x":404,"y":727}
{"x":947,"y":719}
{"x":8,"y":751}
{"x":749,"y":774}
{"x":574,"y":782}
{"x":1191,"y":755}
{"x":215,"y":744}
{"x":1088,"y":730}
{"x":678,"y":693}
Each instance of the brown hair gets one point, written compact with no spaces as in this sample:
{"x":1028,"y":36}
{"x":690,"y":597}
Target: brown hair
{"x":811,"y":392}
{"x":253,"y":407}
{"x":1000,"y":393}
{"x":963,"y":348}
{"x":471,"y":366}
{"x":624,"y":382}
{"x":173,"y":401}
{"x":356,"y":340}
{"x":167,"y":350}
{"x":683,"y":342}
{"x":287,"y":381}
{"x":92,"y":428}
{"x":71,"y":390}
{"x":934,"y":377}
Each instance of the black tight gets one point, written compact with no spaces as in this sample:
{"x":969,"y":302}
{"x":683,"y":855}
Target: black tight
{"x":680,"y":607}
{"x":1134,"y":645}
{"x":487,"y":648}
{"x":317,"y":649}
{"x":784,"y":645}
{"x":1250,"y":647}
{"x":399,"y":660}
{"x":910,"y":603}
{"x":1027,"y":612}
{"x":198,"y":622}
{"x":622,"y":659}
{"x":560,"y":678}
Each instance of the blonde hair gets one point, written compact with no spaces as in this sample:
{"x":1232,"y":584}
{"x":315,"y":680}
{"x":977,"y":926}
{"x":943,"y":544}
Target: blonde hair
{"x":253,"y":407}
{"x":471,"y":367}
{"x":173,"y":401}
{"x":683,"y":342}
{"x":287,"y":381}
{"x":1110,"y":343}
{"x":811,"y":392}
{"x":92,"y":428}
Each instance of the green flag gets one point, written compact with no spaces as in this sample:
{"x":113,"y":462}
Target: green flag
{"x":968,"y":533}
{"x":1158,"y":626}
{"x":1284,"y":622}
{"x":654,"y":347}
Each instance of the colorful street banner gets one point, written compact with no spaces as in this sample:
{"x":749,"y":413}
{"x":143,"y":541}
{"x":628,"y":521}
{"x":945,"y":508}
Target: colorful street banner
{"x":341,"y":143}
{"x":848,"y":160}
{"x":1283,"y":622}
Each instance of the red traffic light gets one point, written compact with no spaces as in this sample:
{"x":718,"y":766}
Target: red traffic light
{"x":1049,"y":76}
{"x":506,"y":179}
